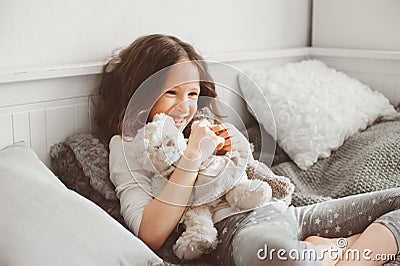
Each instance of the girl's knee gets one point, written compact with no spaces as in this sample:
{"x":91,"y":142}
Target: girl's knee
{"x":391,"y":221}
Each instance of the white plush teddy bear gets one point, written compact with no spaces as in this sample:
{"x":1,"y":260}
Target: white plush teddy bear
{"x":159,"y":146}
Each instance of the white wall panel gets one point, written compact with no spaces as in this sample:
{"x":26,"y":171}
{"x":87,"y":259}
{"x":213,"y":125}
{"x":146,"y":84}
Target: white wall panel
{"x":37,"y":121}
{"x":6,"y":130}
{"x":21,"y":127}
{"x":82,"y":119}
{"x":60,"y":123}
{"x":40,"y":126}
{"x":36,"y":91}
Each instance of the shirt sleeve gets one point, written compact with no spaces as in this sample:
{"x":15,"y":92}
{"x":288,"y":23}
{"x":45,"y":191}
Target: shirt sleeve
{"x":132,"y":184}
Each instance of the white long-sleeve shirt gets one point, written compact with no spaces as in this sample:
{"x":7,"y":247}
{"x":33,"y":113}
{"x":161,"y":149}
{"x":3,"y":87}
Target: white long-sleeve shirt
{"x":133,"y":185}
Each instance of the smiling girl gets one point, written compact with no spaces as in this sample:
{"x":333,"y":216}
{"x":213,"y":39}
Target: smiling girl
{"x":243,"y":234}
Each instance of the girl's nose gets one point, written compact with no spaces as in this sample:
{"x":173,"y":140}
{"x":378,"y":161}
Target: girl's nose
{"x":183,"y":106}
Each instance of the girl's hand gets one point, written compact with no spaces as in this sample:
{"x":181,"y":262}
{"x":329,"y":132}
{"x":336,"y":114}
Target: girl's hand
{"x":234,"y":139}
{"x":202,"y":142}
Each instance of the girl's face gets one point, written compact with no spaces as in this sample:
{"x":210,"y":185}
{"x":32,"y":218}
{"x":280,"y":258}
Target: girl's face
{"x":179,"y":94}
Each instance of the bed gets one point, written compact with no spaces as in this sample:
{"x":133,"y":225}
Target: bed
{"x":43,"y":107}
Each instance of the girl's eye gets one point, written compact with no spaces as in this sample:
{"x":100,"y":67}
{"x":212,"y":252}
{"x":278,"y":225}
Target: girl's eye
{"x":171,"y":92}
{"x":193,"y":94}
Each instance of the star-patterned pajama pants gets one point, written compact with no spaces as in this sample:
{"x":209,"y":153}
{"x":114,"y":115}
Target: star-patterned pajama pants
{"x":249,"y":238}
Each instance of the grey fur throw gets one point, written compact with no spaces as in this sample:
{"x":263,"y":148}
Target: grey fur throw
{"x":81,"y":163}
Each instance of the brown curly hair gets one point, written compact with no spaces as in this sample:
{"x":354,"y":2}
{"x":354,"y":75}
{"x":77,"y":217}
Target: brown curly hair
{"x":123,"y":74}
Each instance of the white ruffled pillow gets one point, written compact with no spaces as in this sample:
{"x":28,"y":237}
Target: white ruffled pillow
{"x":316,"y":108}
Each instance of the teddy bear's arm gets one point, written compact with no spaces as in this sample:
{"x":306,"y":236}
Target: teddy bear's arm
{"x":282,"y":187}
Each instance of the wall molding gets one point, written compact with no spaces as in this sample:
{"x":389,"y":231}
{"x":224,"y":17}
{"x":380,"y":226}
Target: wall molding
{"x":355,"y":53}
{"x":50,"y":72}
{"x":90,"y":68}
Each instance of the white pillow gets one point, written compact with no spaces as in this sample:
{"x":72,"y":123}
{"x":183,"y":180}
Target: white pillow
{"x":316,"y":108}
{"x":44,"y":223}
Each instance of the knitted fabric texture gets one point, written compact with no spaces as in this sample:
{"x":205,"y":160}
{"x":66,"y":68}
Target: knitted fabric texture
{"x":367,"y":161}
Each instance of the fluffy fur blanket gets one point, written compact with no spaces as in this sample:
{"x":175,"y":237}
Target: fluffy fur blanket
{"x":81,"y":163}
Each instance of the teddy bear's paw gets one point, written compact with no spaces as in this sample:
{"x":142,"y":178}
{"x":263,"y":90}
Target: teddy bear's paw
{"x":248,"y":195}
{"x":192,"y":244}
{"x":281,"y":186}
{"x":186,"y":252}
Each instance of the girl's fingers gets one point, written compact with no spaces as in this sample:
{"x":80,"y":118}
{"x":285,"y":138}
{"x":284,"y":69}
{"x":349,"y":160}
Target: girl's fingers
{"x":227,"y":148}
{"x":220,"y":143}
{"x":217,"y":128}
{"x":228,"y":142}
{"x":223,"y":134}
{"x":220,"y":131}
